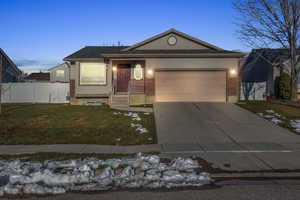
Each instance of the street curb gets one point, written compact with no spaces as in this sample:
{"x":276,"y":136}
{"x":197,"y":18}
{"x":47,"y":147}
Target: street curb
{"x":255,"y":175}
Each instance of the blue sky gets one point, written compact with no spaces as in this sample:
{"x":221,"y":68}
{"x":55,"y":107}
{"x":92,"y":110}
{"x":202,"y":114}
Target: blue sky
{"x":40,"y":33}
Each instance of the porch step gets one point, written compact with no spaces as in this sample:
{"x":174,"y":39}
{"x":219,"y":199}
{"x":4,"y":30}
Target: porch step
{"x":120,"y":100}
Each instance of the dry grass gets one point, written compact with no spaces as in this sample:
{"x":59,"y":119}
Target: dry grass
{"x":258,"y":106}
{"x":65,"y":124}
{"x":63,"y":156}
{"x":291,"y":113}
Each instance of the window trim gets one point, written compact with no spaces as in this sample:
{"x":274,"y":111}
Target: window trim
{"x":100,"y":84}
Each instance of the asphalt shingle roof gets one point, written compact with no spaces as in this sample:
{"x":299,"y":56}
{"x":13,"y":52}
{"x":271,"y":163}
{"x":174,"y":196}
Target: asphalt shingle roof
{"x":99,"y":51}
{"x":178,"y":51}
{"x":95,"y":51}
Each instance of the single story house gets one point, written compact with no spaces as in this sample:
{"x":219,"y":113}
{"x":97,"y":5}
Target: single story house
{"x":10,"y":71}
{"x":60,"y":73}
{"x":168,"y":67}
{"x":263,"y":67}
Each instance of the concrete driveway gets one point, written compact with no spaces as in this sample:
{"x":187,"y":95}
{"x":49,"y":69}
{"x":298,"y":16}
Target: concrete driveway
{"x":225,"y":134}
{"x":217,"y":125}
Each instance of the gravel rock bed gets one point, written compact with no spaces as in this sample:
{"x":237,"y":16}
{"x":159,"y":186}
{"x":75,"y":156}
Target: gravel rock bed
{"x":91,"y":174}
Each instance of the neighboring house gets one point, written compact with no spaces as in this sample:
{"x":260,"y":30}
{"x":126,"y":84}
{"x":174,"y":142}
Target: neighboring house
{"x":38,"y":77}
{"x":60,"y":73}
{"x":264,"y":66}
{"x":169,"y":67}
{"x":10,"y":72}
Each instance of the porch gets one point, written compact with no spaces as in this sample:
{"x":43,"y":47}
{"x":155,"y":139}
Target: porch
{"x":132,"y":84}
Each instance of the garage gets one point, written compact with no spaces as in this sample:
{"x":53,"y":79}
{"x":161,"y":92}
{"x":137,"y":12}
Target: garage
{"x":190,"y":86}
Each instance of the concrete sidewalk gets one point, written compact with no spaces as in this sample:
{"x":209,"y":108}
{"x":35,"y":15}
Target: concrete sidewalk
{"x":247,"y":157}
{"x":162,"y":148}
{"x":78,"y":148}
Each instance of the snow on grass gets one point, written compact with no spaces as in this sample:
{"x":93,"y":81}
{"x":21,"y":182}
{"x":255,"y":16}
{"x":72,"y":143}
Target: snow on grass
{"x":139,"y":128}
{"x":276,"y":121}
{"x":295,"y":124}
{"x":272,"y":116}
{"x":270,"y":111}
{"x":135,"y":117}
{"x":277,"y":118}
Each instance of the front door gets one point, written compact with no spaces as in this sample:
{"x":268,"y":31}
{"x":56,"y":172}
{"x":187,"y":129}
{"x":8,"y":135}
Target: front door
{"x":123,"y":78}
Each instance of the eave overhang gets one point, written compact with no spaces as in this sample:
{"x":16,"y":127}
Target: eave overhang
{"x":207,"y":55}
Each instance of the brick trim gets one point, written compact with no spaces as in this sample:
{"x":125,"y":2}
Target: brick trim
{"x":150,"y":87}
{"x":232,"y":85}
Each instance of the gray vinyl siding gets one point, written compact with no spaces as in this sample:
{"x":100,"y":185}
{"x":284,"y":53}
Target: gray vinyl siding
{"x":73,"y":71}
{"x":162,"y":44}
{"x":65,"y":78}
{"x":192,"y":63}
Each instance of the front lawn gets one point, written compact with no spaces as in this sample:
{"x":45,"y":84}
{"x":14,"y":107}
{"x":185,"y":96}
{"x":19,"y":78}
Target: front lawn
{"x":287,"y":113}
{"x":65,"y":124}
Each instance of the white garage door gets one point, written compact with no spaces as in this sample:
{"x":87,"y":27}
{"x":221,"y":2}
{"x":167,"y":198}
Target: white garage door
{"x":190,"y":86}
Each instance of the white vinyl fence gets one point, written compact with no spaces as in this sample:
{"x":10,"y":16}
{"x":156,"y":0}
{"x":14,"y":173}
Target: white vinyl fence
{"x":253,"y":90}
{"x":35,"y":92}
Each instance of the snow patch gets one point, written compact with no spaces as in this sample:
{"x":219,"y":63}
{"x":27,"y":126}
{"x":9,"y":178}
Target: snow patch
{"x":91,"y":174}
{"x":276,"y":121}
{"x":134,"y":116}
{"x":270,"y":111}
{"x":295,"y":124}
{"x":139,"y":128}
{"x":272,"y":116}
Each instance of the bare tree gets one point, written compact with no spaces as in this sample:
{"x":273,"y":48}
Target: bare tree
{"x":247,"y":88}
{"x":272,"y":23}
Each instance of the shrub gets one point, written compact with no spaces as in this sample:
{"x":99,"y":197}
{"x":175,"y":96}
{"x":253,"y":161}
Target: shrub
{"x":285,"y":86}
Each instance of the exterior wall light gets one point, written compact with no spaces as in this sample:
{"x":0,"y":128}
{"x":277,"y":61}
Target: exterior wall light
{"x":232,"y":72}
{"x":114,"y":68}
{"x":150,"y":72}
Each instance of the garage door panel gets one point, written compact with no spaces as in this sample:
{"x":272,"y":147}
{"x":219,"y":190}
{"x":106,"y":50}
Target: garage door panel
{"x":190,"y":86}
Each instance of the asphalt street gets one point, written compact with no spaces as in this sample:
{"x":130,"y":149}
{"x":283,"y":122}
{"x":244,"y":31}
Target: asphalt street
{"x":226,"y":190}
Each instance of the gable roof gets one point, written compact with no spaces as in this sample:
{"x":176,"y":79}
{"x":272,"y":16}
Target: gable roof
{"x":94,"y":52}
{"x":259,"y":63}
{"x":10,"y":61}
{"x":176,"y":32}
{"x":98,"y":52}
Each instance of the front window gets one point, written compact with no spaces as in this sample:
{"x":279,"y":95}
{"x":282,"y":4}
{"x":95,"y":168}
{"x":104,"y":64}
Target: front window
{"x":60,"y":73}
{"x":92,"y":74}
